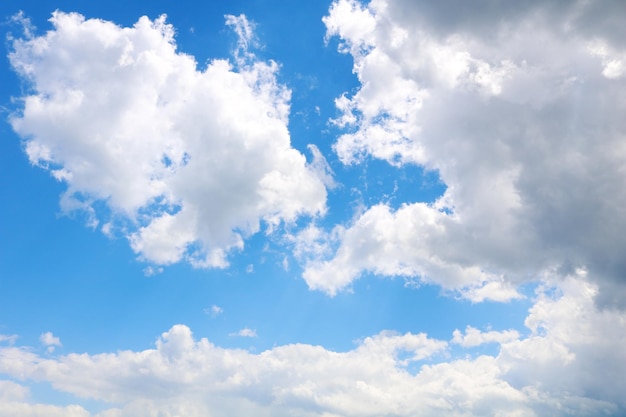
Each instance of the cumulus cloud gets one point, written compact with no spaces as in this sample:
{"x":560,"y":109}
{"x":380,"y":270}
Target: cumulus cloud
{"x":187,"y":162}
{"x":569,"y":362}
{"x":528,"y":140}
{"x":50,"y":341}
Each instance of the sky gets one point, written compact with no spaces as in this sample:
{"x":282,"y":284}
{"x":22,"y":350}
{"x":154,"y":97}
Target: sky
{"x":315,"y":209}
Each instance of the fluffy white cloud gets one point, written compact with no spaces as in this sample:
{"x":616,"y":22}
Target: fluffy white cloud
{"x":474,"y":337}
{"x":188,"y":162}
{"x":398,"y":244}
{"x":48,"y":339}
{"x":530,"y":142}
{"x":571,"y":362}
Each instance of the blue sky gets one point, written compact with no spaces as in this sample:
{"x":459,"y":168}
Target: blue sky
{"x":342,"y":208}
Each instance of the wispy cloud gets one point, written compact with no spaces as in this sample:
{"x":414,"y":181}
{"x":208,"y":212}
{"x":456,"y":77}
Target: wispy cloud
{"x":245,"y":332}
{"x":214,"y":310}
{"x":10,"y":338}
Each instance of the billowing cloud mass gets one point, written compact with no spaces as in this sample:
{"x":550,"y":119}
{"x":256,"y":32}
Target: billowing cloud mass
{"x":519,"y":108}
{"x":187,"y":162}
{"x":570,"y":361}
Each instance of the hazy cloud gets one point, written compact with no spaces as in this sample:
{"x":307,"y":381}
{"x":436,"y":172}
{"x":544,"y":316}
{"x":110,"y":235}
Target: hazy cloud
{"x":9,"y":338}
{"x":245,"y":332}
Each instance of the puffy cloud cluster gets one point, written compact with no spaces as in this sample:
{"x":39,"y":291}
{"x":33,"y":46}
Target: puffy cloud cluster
{"x":187,"y":162}
{"x":519,"y":108}
{"x":569,"y":362}
{"x":50,"y":341}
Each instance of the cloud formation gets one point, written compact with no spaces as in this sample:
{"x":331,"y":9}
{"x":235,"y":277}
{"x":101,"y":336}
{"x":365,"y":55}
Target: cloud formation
{"x":528,"y":140}
{"x":185,"y":163}
{"x":50,"y":341}
{"x":245,"y":332}
{"x":568,"y":362}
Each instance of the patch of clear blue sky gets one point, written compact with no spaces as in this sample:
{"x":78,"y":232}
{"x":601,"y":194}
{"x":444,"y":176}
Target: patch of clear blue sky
{"x":58,"y":275}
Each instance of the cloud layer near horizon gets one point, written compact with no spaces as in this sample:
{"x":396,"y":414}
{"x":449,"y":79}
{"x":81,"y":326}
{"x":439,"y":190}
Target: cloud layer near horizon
{"x":519,"y":109}
{"x":569,"y":362}
{"x":188,"y":163}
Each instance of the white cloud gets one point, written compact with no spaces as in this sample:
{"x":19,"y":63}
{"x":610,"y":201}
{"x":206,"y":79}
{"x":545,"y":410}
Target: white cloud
{"x":192,"y":161}
{"x":14,"y":403}
{"x":613,"y":63}
{"x":571,"y":363}
{"x":573,"y":347}
{"x":244,"y":30}
{"x":396,"y":244}
{"x":529,"y":142}
{"x":474,"y":337}
{"x":10,"y":391}
{"x":150,"y":271}
{"x":50,"y":341}
{"x":322,"y":169}
{"x":12,"y":409}
{"x":245,"y":332}
{"x":214,"y":311}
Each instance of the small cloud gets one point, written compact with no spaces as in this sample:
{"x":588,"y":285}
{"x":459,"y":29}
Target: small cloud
{"x":250,"y":268}
{"x":107,"y":230}
{"x":474,"y":337}
{"x":496,"y":290}
{"x":245,"y":332}
{"x":150,"y":271}
{"x":214,"y":310}
{"x":50,"y":341}
{"x":321,"y":168}
{"x":285,"y":264}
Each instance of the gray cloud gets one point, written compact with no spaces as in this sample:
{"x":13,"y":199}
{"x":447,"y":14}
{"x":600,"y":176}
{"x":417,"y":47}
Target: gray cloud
{"x":520,"y":111}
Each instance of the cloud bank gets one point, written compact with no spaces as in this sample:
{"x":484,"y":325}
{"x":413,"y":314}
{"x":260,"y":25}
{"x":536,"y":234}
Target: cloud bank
{"x":519,"y":109}
{"x":185,"y":163}
{"x":570,"y":361}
